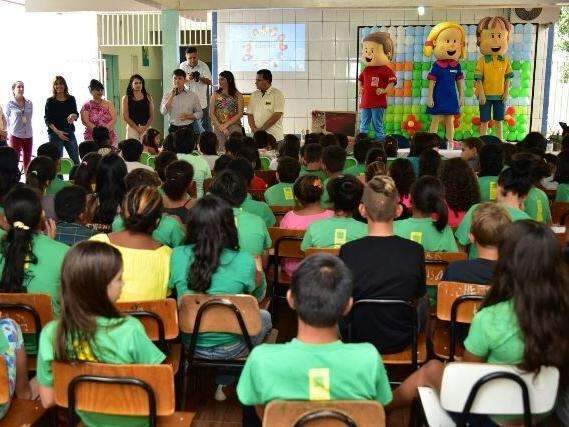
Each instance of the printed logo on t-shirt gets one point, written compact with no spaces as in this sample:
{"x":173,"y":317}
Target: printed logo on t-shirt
{"x":288,"y":193}
{"x":319,"y":384}
{"x":417,"y":236}
{"x":340,"y":236}
{"x":493,"y":190}
{"x":375,"y":81}
{"x":539,"y":214}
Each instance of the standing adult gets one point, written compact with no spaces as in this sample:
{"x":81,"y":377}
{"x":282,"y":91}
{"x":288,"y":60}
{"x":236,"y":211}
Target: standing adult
{"x":266,"y":107}
{"x":3,"y":131}
{"x":182,"y":106}
{"x":60,"y":116}
{"x":226,"y":107}
{"x":198,"y":78}
{"x":19,"y":118}
{"x":137,"y":108}
{"x":99,"y":112}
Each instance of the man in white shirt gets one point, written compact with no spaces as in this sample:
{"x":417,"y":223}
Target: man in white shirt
{"x":182,"y":107}
{"x":266,"y":107}
{"x":198,"y":78}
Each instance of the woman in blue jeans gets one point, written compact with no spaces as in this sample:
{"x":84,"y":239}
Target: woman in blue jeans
{"x":60,"y":116}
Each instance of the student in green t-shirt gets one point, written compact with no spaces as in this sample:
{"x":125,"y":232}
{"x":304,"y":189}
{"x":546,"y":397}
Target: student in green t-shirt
{"x":316,"y":365}
{"x":243,"y":168}
{"x":312,"y":160}
{"x":536,"y":204}
{"x":514,"y":183}
{"x":562,"y":177}
{"x":333,"y":159}
{"x":427,"y":197}
{"x":345,"y":196}
{"x":91,"y":329}
{"x":361,"y":149}
{"x":50,"y":150}
{"x":178,"y":178}
{"x":185,"y":145}
{"x":282,"y":194}
{"x":491,"y":164}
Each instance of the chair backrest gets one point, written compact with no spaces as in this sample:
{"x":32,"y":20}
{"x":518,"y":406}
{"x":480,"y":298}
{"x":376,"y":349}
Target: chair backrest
{"x":361,"y":413}
{"x":113,"y":398}
{"x":144,"y":157}
{"x":449,"y":292}
{"x":219,"y":313}
{"x":313,"y":251}
{"x":151,"y":161}
{"x":30,"y":311}
{"x":159,"y":317}
{"x":193,"y":190}
{"x":350,"y":162}
{"x":270,"y":177}
{"x":501,"y":396}
{"x":207,"y":184}
{"x":287,"y":242}
{"x":436,"y":264}
{"x":559,"y":212}
{"x":265,"y":163}
{"x":4,"y":382}
{"x":280,"y":211}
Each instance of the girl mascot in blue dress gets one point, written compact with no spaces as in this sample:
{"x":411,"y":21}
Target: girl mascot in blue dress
{"x":447,"y":42}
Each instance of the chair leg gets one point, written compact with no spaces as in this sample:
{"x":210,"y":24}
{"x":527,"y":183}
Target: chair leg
{"x":185,"y":384}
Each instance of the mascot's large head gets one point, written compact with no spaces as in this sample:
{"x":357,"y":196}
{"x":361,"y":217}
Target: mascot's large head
{"x":377,"y":49}
{"x":493,"y":35}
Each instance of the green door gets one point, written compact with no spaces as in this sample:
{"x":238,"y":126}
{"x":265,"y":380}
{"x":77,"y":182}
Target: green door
{"x":113,"y":90}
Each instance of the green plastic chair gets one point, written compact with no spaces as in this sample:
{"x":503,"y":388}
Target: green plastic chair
{"x":151,"y":161}
{"x":144,"y":157}
{"x":265,"y":163}
{"x":350,"y":162}
{"x":66,"y":166}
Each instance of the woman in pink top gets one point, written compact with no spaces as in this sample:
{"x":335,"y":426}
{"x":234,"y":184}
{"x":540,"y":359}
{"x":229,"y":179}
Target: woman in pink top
{"x":461,"y":189}
{"x":99,"y":112}
{"x":307,"y":190}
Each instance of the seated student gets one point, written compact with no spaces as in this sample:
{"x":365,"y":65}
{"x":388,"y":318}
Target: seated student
{"x":383,"y":266}
{"x":261,"y":138}
{"x":312,"y":161}
{"x":562,"y":177}
{"x":14,"y":354}
{"x":169,"y":231}
{"x":30,"y":261}
{"x":376,"y":154}
{"x":245,"y":170}
{"x":536,"y":205}
{"x":401,"y":170}
{"x":281,"y":194}
{"x":548,"y":182}
{"x":488,"y":223}
{"x":427,"y":198}
{"x":102,"y":137}
{"x":524,"y":317}
{"x":70,"y":206}
{"x":429,"y":162}
{"x":146,"y":262}
{"x":162,"y":161}
{"x":470,"y":150}
{"x":514,"y":184}
{"x":361,"y":149}
{"x":87,"y":147}
{"x":151,"y":141}
{"x":185,"y":143}
{"x":233,"y":145}
{"x":178,"y":179}
{"x":211,"y":262}
{"x":91,"y":329}
{"x":491,"y":160}
{"x":40,"y":173}
{"x":316,"y":365}
{"x":168,"y":143}
{"x":85,"y":173}
{"x":221,"y":164}
{"x":345,"y":195}
{"x":333,"y":160}
{"x":390,"y":146}
{"x":50,"y":150}
{"x":343,"y":140}
{"x":249,"y":152}
{"x":207,"y":145}
{"x":374,"y":169}
{"x":420,"y":142}
{"x":289,"y":147}
{"x":131,"y":150}
{"x":461,"y":188}
{"x":308,"y":190}
{"x":328,"y":139}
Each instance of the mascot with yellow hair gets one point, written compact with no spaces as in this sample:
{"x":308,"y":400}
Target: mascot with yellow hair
{"x":447,"y":42}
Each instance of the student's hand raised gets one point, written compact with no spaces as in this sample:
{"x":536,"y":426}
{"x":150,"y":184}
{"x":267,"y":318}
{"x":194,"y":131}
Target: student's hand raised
{"x":50,"y":229}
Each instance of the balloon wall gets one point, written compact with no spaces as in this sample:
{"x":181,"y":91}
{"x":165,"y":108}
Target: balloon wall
{"x":407,"y":102}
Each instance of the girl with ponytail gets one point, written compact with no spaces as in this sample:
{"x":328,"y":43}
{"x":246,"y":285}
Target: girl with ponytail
{"x":429,"y":224}
{"x":39,"y":175}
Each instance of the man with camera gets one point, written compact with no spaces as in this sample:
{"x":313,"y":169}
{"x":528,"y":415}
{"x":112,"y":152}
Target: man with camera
{"x":198,"y":77}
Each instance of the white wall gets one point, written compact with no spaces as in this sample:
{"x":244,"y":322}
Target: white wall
{"x":330,"y":80}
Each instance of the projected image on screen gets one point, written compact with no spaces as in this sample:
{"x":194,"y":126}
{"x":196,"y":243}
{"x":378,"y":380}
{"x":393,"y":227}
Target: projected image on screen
{"x":278,"y":47}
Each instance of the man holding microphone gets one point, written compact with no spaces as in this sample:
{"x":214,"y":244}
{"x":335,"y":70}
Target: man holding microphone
{"x":182,"y":107}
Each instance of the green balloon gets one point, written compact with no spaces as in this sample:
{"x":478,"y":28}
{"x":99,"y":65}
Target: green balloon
{"x":525,"y":92}
{"x":398,"y":119}
{"x":416,"y":66}
{"x":470,"y":65}
{"x":521,"y":119}
{"x":470,"y":84}
{"x":425,"y":84}
{"x":475,"y":131}
{"x":415,"y":109}
{"x":417,"y":74}
{"x":469,"y":92}
{"x":515,"y":92}
{"x":458,"y":134}
{"x":398,"y":109}
{"x":526,"y":66}
{"x":426,"y":66}
{"x":525,"y":75}
{"x":441,"y":133}
{"x":416,"y":84}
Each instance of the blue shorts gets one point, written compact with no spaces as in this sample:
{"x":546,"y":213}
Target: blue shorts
{"x":493,"y":109}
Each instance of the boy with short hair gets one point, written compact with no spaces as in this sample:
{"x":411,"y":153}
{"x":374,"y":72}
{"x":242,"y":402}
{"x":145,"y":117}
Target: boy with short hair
{"x":333,"y":161}
{"x":70,"y":203}
{"x":384,"y":266}
{"x":185,"y":144}
{"x":361,"y":149}
{"x":131,"y":151}
{"x":282,"y":194}
{"x":316,"y":365}
{"x":312,"y":159}
{"x":50,"y":150}
{"x":488,"y":223}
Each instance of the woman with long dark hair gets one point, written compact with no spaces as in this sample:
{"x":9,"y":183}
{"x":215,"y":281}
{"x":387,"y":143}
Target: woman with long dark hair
{"x":60,"y":115}
{"x":137,"y":108}
{"x":110,"y":189}
{"x":226,"y":108}
{"x":91,"y":329}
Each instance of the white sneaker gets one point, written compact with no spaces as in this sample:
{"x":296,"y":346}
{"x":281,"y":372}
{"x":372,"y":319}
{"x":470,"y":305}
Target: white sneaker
{"x":219,"y":394}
